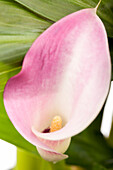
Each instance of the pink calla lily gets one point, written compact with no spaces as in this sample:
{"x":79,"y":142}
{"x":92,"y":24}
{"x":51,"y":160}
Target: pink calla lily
{"x":66,"y":72}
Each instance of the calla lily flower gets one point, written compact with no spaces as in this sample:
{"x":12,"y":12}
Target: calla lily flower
{"x":65,"y":75}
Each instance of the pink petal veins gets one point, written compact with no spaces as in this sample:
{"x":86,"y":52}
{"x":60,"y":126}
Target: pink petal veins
{"x":66,"y":72}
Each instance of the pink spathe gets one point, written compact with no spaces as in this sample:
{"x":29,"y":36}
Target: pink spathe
{"x":66,"y":72}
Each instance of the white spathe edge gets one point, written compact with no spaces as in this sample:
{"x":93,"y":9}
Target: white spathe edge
{"x":108,"y":114}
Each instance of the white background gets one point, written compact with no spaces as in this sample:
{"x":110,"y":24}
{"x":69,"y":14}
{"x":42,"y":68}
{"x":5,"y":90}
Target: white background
{"x":7,"y":155}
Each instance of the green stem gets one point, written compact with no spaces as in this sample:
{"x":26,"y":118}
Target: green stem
{"x":28,"y":161}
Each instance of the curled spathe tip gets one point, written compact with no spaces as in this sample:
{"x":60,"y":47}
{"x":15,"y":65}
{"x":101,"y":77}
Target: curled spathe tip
{"x":97,"y":5}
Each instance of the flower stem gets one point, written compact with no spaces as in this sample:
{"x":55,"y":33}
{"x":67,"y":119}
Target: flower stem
{"x":29,"y":161}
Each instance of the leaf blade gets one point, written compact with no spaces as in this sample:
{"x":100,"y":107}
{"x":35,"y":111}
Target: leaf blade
{"x":56,"y":9}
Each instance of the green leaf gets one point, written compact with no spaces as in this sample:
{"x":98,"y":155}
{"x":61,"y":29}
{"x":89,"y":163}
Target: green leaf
{"x":89,"y":149}
{"x":56,"y":9}
{"x":19,"y":27}
{"x":16,"y":19}
{"x":98,"y":167}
